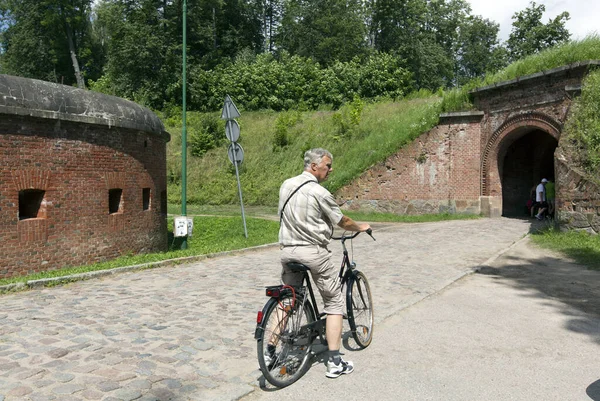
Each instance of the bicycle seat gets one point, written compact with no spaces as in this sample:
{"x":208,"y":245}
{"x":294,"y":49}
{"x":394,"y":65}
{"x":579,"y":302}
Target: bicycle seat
{"x":297,"y":267}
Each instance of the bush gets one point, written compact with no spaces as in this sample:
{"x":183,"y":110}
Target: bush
{"x":348,"y":118}
{"x":206,"y":134}
{"x":290,"y":82}
{"x":283,"y":123}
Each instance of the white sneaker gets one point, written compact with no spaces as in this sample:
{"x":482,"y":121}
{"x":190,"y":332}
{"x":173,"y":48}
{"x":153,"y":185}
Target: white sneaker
{"x":344,"y":368}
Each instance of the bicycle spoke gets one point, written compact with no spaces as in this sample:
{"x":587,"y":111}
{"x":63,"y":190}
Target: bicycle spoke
{"x":291,"y":350}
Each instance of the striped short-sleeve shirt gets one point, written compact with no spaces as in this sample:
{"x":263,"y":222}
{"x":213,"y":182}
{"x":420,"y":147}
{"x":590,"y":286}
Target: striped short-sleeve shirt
{"x":310,"y":214}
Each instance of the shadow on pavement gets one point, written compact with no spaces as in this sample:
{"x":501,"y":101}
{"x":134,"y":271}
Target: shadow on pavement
{"x":527,"y":267}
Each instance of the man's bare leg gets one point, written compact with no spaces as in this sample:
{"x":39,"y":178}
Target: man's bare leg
{"x":333,"y":331}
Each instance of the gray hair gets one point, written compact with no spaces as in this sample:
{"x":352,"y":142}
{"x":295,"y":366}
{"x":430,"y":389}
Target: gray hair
{"x":315,"y":156}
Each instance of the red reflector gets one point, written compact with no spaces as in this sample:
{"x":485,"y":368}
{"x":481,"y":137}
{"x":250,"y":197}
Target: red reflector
{"x":273,"y":292}
{"x":259,"y":317}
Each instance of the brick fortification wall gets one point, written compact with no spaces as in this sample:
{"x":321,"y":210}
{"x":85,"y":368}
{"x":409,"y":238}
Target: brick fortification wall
{"x":577,"y":198}
{"x":459,"y":166}
{"x":437,"y":173}
{"x":82,"y":177}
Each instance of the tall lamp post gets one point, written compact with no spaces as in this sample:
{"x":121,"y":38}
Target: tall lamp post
{"x":184,"y":244}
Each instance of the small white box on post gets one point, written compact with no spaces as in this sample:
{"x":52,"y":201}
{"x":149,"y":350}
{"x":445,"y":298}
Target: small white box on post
{"x":180,"y":226}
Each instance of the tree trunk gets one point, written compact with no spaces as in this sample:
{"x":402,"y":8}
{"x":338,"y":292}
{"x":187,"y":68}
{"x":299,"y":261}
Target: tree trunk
{"x":78,"y":76}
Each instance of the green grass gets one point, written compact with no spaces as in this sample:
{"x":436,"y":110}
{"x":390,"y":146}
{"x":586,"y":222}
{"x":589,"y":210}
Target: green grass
{"x":582,"y":247}
{"x":211,"y":235}
{"x":225,"y":210}
{"x":396,"y":218}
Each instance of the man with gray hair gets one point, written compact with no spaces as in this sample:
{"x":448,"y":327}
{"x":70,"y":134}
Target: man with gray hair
{"x":308,"y":213}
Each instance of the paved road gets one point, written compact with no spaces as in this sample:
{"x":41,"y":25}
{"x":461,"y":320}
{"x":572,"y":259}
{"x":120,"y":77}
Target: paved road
{"x":527,"y":327}
{"x":185,"y":332}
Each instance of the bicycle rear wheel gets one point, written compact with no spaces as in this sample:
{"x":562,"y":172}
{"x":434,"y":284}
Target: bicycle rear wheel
{"x":283,"y":348}
{"x":359,"y":304}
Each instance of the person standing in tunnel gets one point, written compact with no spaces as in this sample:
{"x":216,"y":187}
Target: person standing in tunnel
{"x":540,"y":199}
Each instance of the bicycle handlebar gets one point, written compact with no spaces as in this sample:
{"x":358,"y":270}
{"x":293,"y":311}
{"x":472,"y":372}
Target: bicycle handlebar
{"x":345,"y":237}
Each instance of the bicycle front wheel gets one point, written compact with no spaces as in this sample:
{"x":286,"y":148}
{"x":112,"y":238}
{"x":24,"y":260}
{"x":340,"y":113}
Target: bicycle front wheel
{"x":285,"y":343}
{"x":360,"y":309}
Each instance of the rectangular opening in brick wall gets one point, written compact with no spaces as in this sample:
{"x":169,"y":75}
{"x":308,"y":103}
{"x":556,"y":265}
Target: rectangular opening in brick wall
{"x":31,"y":204}
{"x":146,"y":198}
{"x":115,"y":201}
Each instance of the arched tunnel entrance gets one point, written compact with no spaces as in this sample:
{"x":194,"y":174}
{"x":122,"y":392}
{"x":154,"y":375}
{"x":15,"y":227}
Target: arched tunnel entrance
{"x":523,"y":163}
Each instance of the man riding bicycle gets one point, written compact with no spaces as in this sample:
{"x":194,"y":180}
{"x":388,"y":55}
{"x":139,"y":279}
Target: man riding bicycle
{"x":308,"y":213}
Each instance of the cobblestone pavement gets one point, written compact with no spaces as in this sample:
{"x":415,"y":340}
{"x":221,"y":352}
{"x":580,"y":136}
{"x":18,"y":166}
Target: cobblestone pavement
{"x":186,"y":332}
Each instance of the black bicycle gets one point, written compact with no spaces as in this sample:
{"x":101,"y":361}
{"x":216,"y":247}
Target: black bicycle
{"x":290,"y":321}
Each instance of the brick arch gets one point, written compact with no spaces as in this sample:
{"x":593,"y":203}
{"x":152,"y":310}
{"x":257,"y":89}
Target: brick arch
{"x":489,"y":161}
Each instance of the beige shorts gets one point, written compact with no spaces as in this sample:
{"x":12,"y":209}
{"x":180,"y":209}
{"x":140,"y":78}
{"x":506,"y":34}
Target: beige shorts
{"x":322,"y":270}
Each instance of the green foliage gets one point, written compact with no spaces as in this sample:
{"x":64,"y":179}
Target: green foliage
{"x":347,"y":119}
{"x":383,"y":75}
{"x":456,"y":99}
{"x":266,"y":54}
{"x":264,"y":82}
{"x":568,"y":53}
{"x":325,"y":30}
{"x":582,"y":130}
{"x":37,"y":37}
{"x":283,"y":123}
{"x":479,"y":51}
{"x":529,"y":35}
{"x":205,"y":134}
{"x":102,"y":85}
{"x":438,"y":39}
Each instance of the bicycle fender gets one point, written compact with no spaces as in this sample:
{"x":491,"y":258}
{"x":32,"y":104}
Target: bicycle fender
{"x":260,"y":327}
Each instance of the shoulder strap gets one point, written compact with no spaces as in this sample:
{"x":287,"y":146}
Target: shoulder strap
{"x":290,"y":197}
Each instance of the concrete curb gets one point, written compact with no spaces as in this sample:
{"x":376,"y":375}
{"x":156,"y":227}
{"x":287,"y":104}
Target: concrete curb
{"x":101,"y":273}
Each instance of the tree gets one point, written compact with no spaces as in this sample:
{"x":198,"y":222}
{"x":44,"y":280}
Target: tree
{"x":327,"y":30}
{"x":529,"y":35}
{"x":397,"y":24}
{"x":479,"y":50}
{"x":48,"y":39}
{"x":143,"y":50}
{"x":423,"y":33}
{"x":144,"y":43}
{"x":270,"y":13}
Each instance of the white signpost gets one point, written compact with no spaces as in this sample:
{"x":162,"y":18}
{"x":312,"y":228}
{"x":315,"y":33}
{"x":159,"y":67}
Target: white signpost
{"x":234,"y":151}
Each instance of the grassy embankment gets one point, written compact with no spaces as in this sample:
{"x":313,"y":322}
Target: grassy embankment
{"x":376,"y":131}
